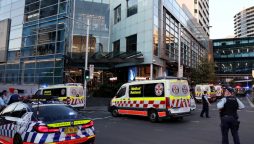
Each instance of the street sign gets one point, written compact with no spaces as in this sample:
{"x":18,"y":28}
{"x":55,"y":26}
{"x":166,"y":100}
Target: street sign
{"x":91,"y":69}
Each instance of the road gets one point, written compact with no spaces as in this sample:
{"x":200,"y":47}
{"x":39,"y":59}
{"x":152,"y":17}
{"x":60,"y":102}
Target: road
{"x":190,"y":130}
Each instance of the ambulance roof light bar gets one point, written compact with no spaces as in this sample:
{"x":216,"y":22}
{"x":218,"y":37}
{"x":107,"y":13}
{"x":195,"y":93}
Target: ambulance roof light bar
{"x":171,"y":77}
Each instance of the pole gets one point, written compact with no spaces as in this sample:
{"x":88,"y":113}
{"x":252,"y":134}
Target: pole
{"x":179,"y":49}
{"x":86,"y":60}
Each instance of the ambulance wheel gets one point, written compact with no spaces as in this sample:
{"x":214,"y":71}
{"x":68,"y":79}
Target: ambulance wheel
{"x":114,"y":112}
{"x":153,"y":116}
{"x":17,"y":139}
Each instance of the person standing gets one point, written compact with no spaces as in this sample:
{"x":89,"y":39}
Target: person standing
{"x":206,"y":105}
{"x":6,"y":97}
{"x":2,"y":104}
{"x":228,"y":107}
{"x":14,"y":98}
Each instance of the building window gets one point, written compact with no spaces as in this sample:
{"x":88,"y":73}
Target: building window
{"x":195,"y":1}
{"x":195,"y":11}
{"x":132,"y":7}
{"x":116,"y":46}
{"x":131,"y":43}
{"x":117,"y":14}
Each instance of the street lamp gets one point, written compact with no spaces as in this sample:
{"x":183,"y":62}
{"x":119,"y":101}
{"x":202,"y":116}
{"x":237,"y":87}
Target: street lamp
{"x":86,"y":56}
{"x":180,"y":67}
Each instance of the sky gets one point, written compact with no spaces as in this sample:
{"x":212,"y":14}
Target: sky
{"x":222,"y":16}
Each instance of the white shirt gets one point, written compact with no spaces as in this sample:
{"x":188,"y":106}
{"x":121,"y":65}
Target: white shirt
{"x":2,"y":102}
{"x":221,"y":103}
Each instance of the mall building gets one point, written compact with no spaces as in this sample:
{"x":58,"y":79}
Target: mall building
{"x":155,"y":28}
{"x":234,"y":59}
{"x":44,"y":41}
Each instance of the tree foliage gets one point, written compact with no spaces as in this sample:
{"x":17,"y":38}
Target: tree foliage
{"x":204,"y":73}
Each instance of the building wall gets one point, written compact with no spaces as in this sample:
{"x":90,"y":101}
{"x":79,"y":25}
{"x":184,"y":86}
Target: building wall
{"x":41,"y":37}
{"x":234,"y":58}
{"x":200,"y":10}
{"x":244,"y":23}
{"x":156,"y":24}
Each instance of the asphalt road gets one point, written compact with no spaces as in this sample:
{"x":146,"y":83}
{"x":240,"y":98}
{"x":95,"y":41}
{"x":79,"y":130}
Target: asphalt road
{"x":190,"y":130}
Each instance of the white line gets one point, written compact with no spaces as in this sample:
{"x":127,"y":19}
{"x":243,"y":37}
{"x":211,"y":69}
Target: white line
{"x":251,"y":104}
{"x":102,"y":118}
{"x":249,"y":111}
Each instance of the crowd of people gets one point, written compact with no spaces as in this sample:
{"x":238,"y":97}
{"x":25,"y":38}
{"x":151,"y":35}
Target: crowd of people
{"x":8,"y":98}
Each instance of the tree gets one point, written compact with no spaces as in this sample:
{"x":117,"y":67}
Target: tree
{"x":204,"y":73}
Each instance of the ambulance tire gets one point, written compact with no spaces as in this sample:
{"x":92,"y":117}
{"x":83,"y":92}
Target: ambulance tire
{"x":17,"y":139}
{"x":153,"y":116}
{"x":114,"y":112}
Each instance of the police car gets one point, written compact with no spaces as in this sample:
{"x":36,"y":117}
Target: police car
{"x":44,"y":123}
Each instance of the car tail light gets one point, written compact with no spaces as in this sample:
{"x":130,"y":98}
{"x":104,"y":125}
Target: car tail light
{"x":45,"y":129}
{"x":167,"y":102}
{"x":88,"y":125}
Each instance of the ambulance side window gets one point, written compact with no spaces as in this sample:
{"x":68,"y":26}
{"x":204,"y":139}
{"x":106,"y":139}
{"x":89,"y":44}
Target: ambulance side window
{"x":121,"y":92}
{"x":136,"y":90}
{"x":154,"y":90}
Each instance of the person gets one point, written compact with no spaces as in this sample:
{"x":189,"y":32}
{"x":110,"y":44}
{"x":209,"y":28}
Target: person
{"x":2,"y":104}
{"x":14,"y":98}
{"x":228,"y":107}
{"x":6,"y":97}
{"x":206,"y":105}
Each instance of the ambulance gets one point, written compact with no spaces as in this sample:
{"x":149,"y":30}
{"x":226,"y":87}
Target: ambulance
{"x":219,"y":91}
{"x":70,"y":93}
{"x":209,"y":88}
{"x":167,"y":97}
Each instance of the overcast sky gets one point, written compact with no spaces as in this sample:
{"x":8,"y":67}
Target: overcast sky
{"x":222,"y":16}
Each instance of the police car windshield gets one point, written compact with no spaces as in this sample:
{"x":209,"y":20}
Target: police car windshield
{"x":55,"y":112}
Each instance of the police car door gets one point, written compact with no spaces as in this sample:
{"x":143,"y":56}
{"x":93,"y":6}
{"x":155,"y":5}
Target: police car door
{"x":14,"y":119}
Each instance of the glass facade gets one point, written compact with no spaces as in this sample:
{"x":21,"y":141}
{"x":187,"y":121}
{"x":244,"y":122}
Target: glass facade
{"x":157,"y":25}
{"x":234,"y":56}
{"x":194,"y":41}
{"x":43,"y":33}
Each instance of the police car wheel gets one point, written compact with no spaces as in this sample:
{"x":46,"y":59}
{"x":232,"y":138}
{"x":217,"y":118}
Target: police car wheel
{"x":17,"y":139}
{"x":115,"y":112}
{"x":153,"y":116}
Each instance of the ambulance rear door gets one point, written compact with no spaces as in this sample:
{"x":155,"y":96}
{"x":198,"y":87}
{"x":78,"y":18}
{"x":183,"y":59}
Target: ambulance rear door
{"x":76,"y":97}
{"x":179,"y":96}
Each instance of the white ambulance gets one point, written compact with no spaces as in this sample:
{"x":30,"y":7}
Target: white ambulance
{"x":219,"y":91}
{"x":168,"y":97}
{"x":209,"y":88}
{"x":70,"y":93}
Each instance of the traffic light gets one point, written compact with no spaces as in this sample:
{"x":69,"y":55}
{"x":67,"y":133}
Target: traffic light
{"x":87,"y":74}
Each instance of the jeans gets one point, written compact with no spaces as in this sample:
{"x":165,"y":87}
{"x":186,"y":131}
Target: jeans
{"x":205,"y":110}
{"x":229,"y":122}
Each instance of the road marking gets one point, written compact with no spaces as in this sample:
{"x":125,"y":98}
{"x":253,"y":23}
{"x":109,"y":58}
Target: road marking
{"x":102,"y":118}
{"x":251,"y":104}
{"x":195,"y":121}
{"x":249,"y":111}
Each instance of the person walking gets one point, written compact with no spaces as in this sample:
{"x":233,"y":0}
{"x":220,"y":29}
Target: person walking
{"x":228,"y":107}
{"x":206,"y":105}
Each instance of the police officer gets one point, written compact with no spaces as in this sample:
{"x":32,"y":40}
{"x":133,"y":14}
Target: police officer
{"x":206,"y":105}
{"x":228,"y":107}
